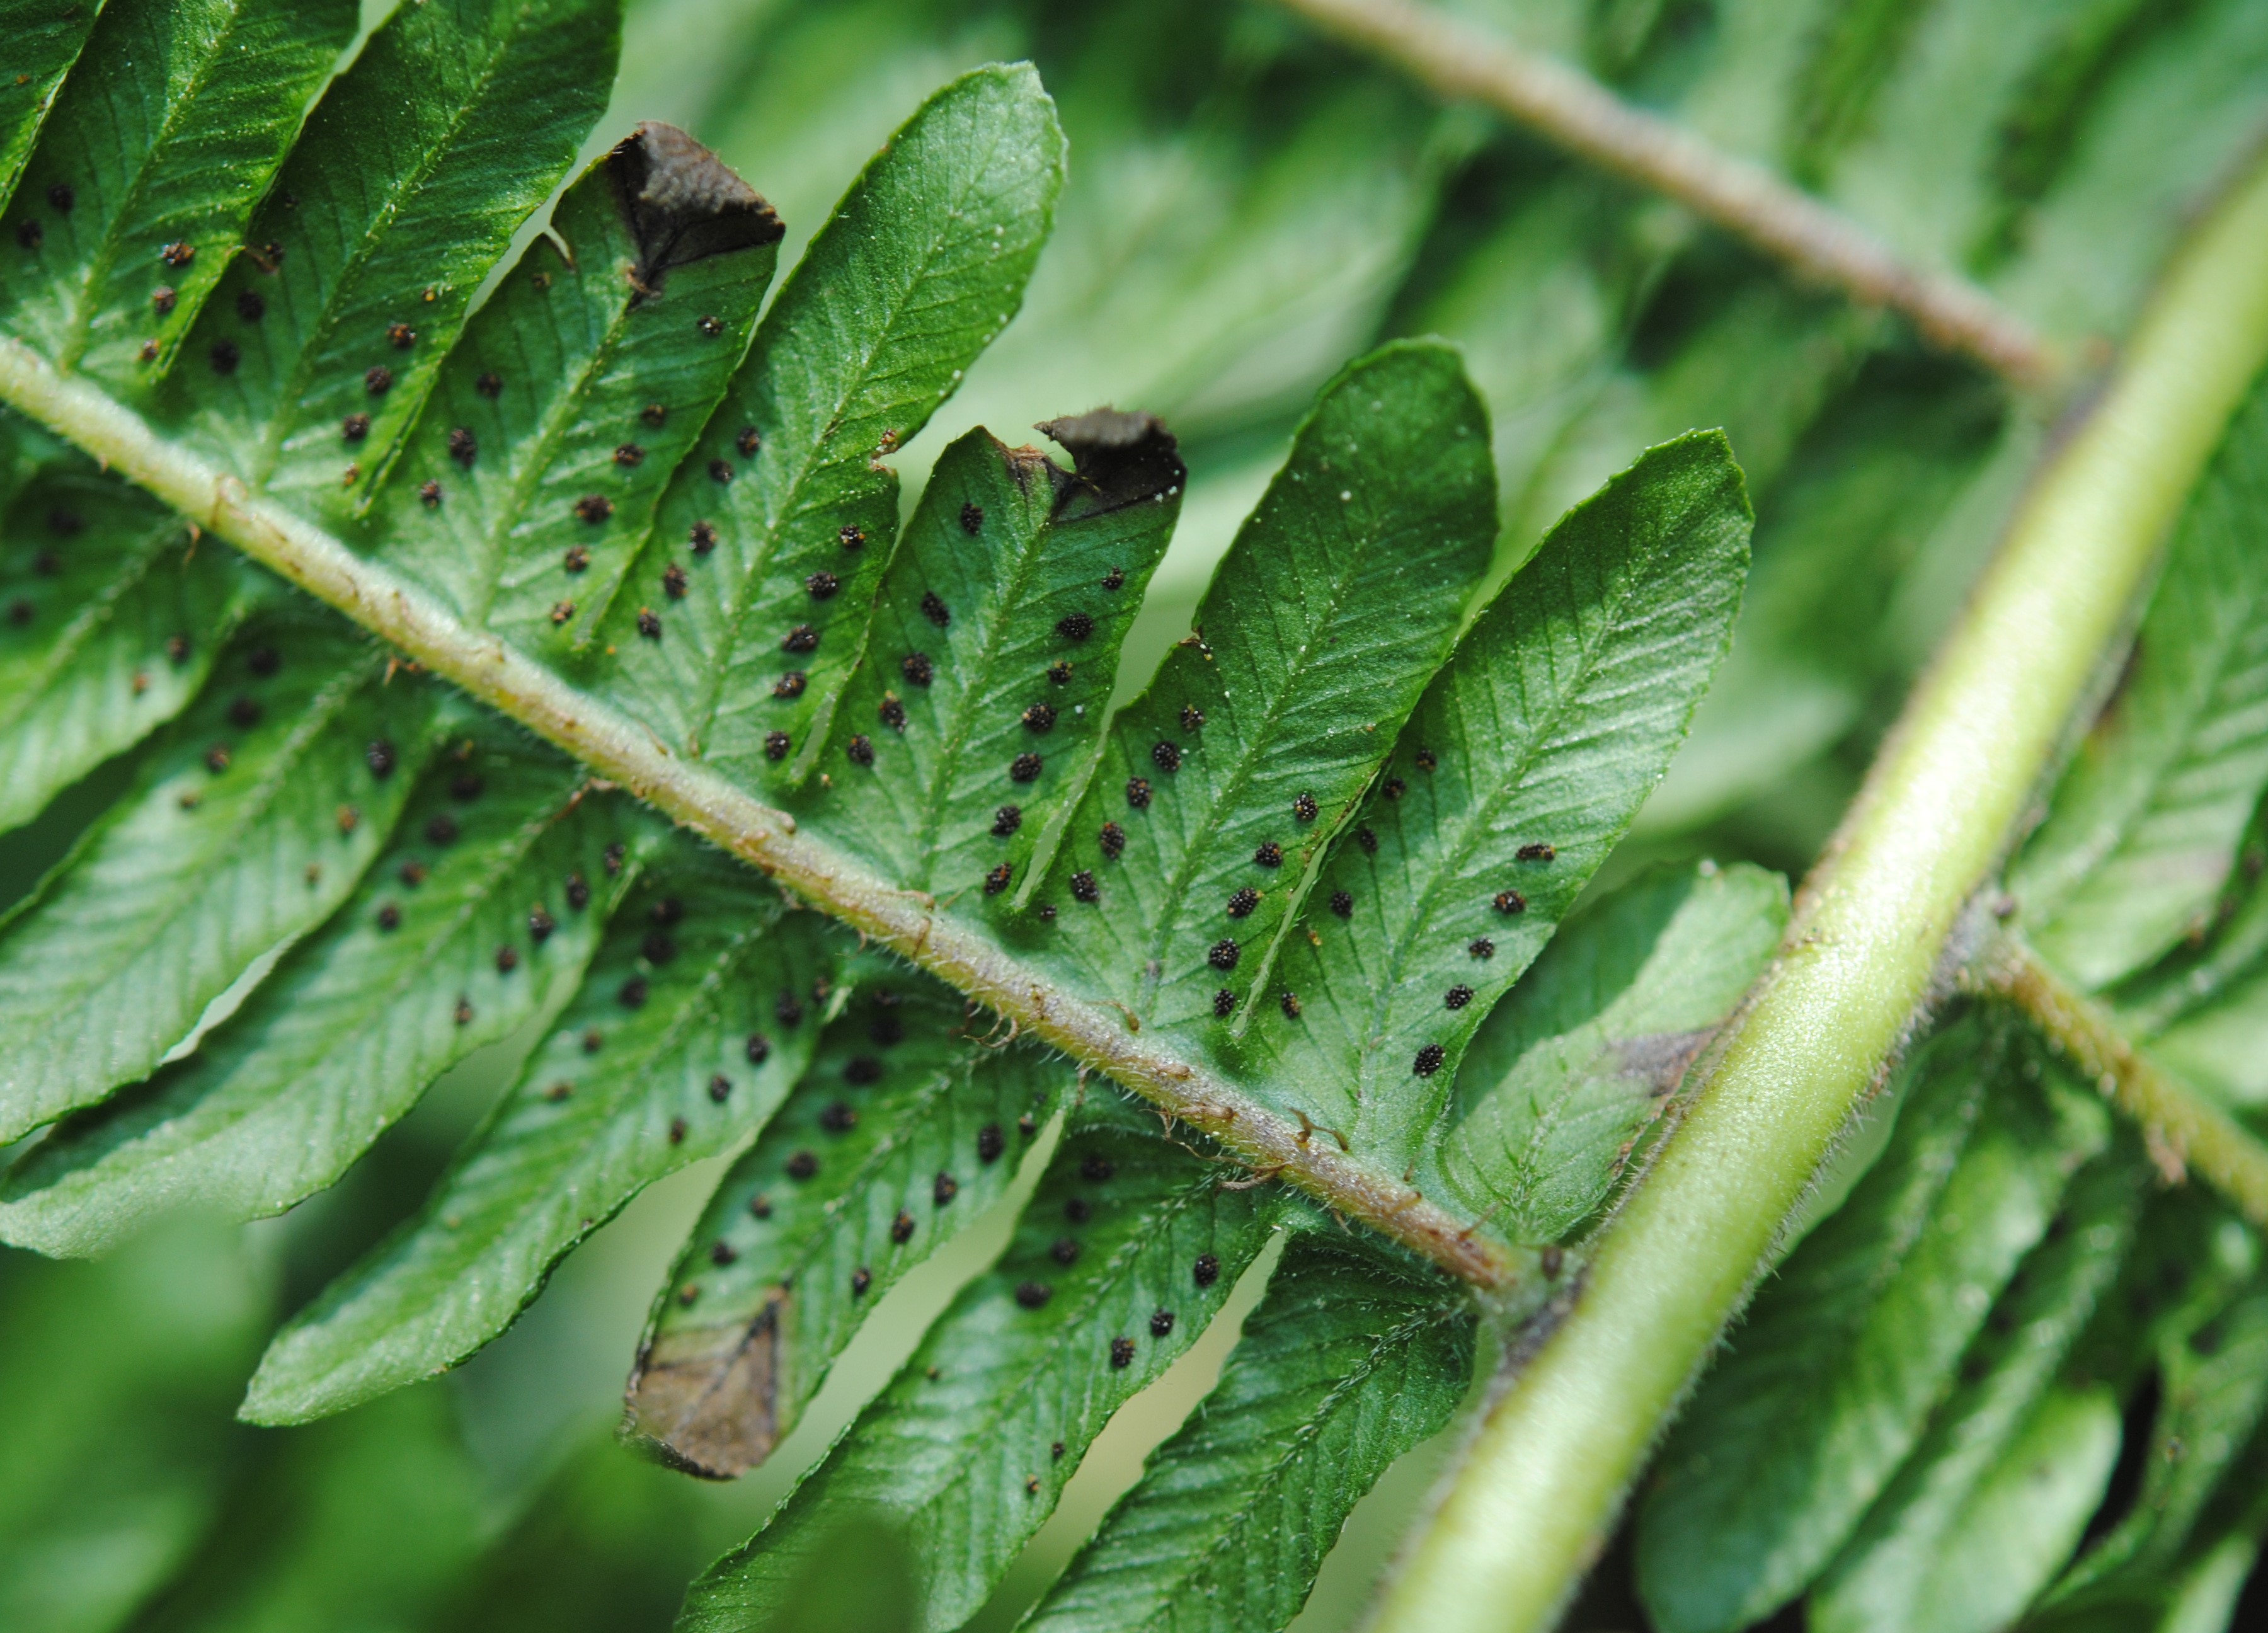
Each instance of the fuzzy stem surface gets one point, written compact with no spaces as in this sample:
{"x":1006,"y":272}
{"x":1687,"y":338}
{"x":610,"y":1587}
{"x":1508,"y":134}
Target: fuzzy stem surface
{"x":1537,"y":1494}
{"x":623,"y":751}
{"x":2185,"y":1132}
{"x":1575,"y":112}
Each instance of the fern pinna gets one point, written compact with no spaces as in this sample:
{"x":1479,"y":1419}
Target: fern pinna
{"x":1297,"y":874}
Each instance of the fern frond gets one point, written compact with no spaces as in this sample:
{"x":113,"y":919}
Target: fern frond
{"x":106,"y":644}
{"x":1123,"y":1257}
{"x":432,"y":957}
{"x":585,"y":538}
{"x":1348,"y":1363}
{"x":671,"y":1049}
{"x":614,"y":507}
{"x":899,"y":1137}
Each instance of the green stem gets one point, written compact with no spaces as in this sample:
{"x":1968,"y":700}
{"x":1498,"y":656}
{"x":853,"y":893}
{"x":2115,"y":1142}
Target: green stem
{"x":620,"y":748}
{"x":2184,"y":1132}
{"x":1539,"y":1490}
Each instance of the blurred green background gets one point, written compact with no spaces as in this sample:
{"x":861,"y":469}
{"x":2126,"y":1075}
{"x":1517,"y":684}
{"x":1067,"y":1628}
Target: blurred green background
{"x":1249,"y":206}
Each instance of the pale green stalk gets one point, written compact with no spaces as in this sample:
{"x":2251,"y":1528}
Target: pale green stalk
{"x":1539,"y":1490}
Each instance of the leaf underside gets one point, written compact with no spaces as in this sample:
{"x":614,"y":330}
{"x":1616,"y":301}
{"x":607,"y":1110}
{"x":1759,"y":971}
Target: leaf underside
{"x":611,"y":463}
{"x":1327,"y":851}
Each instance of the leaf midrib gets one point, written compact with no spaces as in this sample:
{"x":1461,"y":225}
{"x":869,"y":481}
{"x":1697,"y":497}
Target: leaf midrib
{"x":750,"y":586}
{"x":1230,"y":1528}
{"x":396,"y":611}
{"x":134,"y":565}
{"x":1158,"y":1217}
{"x":290,"y":398}
{"x":1170,"y":927}
{"x":1471,"y":826}
{"x":99,"y":264}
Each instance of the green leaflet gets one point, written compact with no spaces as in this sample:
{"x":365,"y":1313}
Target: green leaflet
{"x":1844,"y":1357}
{"x":1852,"y":50}
{"x":531,"y":479}
{"x":2002,"y":1537}
{"x":1350,"y":1360}
{"x":1217,"y":265}
{"x":122,"y":1372}
{"x":1539,"y":307}
{"x":43,"y":41}
{"x":2025,"y":1516}
{"x":651,"y":1067}
{"x":366,"y":1522}
{"x":1993,"y":1499}
{"x":109,"y":622}
{"x":1524,"y":763}
{"x":247,"y":825}
{"x":1568,"y":1072}
{"x":166,"y":136}
{"x":1756,"y":358}
{"x":991,"y":658}
{"x":920,"y":266}
{"x":344,"y":1036}
{"x":1212,"y":263}
{"x":413,"y":172}
{"x":1874,"y":497}
{"x":2039,"y":127}
{"x":1218,"y":785}
{"x":2146,"y":821}
{"x":2215,"y":1383}
{"x":903,"y":1132}
{"x":959,"y":1452}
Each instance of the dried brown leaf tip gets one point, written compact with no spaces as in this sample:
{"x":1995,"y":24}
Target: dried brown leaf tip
{"x":1117,"y":460}
{"x":683,"y":203}
{"x":704,"y":1399}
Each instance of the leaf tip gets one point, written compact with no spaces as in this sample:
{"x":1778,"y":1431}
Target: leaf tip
{"x":682,"y":202}
{"x":1117,"y":460}
{"x":706,"y":1401}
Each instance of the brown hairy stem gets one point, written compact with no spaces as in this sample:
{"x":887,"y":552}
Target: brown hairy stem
{"x":623,"y":751}
{"x":2185,"y":1132}
{"x":1577,"y":113}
